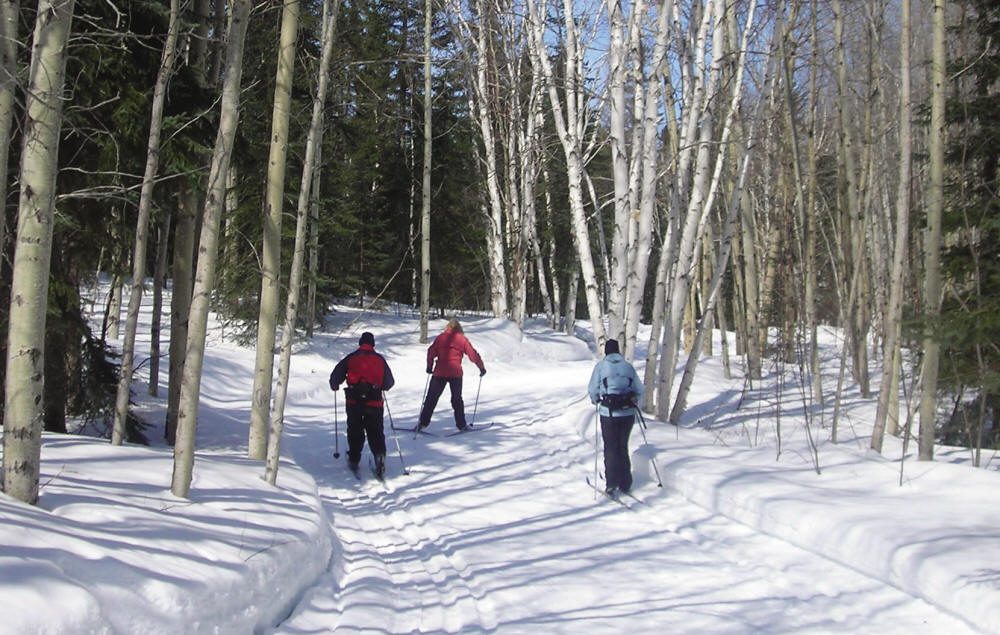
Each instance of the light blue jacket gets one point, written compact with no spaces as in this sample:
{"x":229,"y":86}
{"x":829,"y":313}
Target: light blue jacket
{"x":617,"y":371}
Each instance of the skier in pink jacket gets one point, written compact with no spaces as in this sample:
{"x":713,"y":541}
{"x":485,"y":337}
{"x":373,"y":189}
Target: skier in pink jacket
{"x":448,"y":349}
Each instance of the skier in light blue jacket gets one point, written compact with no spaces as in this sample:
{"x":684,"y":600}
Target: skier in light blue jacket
{"x":618,"y":391}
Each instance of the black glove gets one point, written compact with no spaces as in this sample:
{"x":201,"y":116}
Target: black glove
{"x":482,"y":371}
{"x":430,"y":370}
{"x":333,"y":386}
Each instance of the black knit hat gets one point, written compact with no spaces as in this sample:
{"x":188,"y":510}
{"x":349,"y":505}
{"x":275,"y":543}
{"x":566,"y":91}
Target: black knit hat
{"x":367,"y":338}
{"x":611,"y":346}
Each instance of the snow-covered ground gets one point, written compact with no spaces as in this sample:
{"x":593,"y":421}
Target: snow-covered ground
{"x":497,"y":531}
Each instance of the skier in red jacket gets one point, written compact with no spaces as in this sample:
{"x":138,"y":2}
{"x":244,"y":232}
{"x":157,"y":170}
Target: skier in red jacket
{"x":367,"y":374}
{"x":448,"y":349}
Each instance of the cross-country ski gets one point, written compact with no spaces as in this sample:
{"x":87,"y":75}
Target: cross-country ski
{"x":478,"y":427}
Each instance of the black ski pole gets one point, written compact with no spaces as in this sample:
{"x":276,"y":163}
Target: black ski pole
{"x":475,"y":408}
{"x":395,"y":437}
{"x":336,"y":434}
{"x":642,"y":428}
{"x":423,"y":403}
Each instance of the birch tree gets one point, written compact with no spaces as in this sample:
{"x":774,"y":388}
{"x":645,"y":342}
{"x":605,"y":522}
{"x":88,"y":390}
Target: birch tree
{"x":180,"y":298}
{"x":270,"y":287}
{"x":9,"y":12}
{"x":25,"y":376}
{"x":623,"y":195}
{"x":932,"y":236}
{"x":314,"y":141}
{"x":142,"y":226}
{"x":425,"y":195}
{"x":569,"y":117}
{"x":711,"y":190}
{"x":648,"y":172}
{"x":699,"y":111}
{"x":204,"y":282}
{"x":481,"y":100}
{"x":886,"y":417}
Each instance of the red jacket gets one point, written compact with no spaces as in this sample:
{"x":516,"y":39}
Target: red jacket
{"x":448,"y":348}
{"x":363,"y":366}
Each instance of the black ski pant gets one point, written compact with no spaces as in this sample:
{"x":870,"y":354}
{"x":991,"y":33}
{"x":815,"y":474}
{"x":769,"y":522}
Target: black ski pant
{"x":617,"y":465}
{"x":434,"y":391}
{"x":364,"y":421}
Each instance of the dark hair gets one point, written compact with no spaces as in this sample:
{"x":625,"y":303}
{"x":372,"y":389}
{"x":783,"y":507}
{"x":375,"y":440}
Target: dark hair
{"x":367,"y":338}
{"x":611,"y":346}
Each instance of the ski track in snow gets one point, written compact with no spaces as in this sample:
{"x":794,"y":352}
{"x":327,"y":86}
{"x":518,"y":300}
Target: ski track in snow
{"x":498,"y":532}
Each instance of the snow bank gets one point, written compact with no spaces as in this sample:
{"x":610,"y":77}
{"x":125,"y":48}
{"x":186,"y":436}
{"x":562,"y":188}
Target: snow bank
{"x":934,"y":537}
{"x":127,"y":556}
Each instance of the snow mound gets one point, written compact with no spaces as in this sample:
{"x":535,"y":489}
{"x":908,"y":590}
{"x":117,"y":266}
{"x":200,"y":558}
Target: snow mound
{"x":124,"y":555}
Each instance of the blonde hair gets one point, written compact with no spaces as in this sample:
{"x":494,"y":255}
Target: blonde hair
{"x":453,"y":325}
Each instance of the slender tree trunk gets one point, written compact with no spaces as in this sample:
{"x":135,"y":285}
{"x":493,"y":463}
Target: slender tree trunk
{"x":198,"y":51}
{"x":569,"y":324}
{"x":620,"y":172}
{"x":142,"y":226}
{"x":527,"y":168}
{"x":932,"y":256}
{"x":9,"y":13}
{"x":314,"y":241}
{"x":270,"y":288}
{"x":812,"y":217}
{"x":314,"y":140}
{"x":851,"y":191}
{"x":155,"y":329}
{"x":180,"y":299}
{"x":557,"y":309}
{"x":651,"y":123}
{"x":705,"y":323}
{"x":112,"y":319}
{"x":481,"y":99}
{"x":425,"y":194}
{"x":886,"y":417}
{"x":25,"y":375}
{"x":204,"y":282}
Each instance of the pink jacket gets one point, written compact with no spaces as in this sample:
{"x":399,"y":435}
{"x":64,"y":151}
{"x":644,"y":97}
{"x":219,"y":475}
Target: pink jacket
{"x":448,"y":348}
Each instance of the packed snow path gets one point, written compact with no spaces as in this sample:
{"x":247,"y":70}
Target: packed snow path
{"x":497,"y":531}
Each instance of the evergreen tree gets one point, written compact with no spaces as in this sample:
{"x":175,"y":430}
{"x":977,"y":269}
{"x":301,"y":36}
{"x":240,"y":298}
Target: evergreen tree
{"x":970,"y":316}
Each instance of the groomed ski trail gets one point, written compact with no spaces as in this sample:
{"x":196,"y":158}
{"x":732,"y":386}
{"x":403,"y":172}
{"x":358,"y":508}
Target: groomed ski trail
{"x":498,"y":533}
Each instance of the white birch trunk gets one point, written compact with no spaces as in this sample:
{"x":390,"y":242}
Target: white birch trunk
{"x":314,"y":140}
{"x":142,"y":226}
{"x":313,"y":243}
{"x":494,"y":228}
{"x":569,"y":129}
{"x":620,"y":172}
{"x":649,"y":159}
{"x":204,"y":282}
{"x":705,"y":323}
{"x":704,"y":190}
{"x":932,"y":257}
{"x":700,"y":118}
{"x":425,"y":195}
{"x":270,"y":288}
{"x":886,"y":417}
{"x":25,"y":374}
{"x":9,"y":14}
{"x":569,"y":323}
